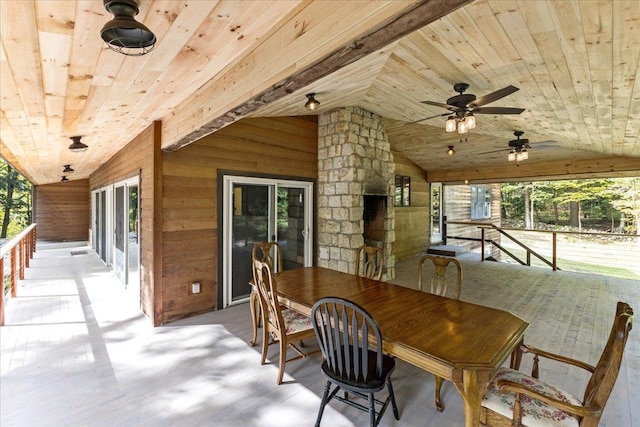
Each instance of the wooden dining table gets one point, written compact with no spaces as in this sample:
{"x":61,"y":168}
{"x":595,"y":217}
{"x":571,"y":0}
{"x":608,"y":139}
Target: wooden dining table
{"x":459,"y":341}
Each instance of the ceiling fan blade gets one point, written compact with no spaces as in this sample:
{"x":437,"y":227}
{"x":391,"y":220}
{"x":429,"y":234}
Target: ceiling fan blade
{"x":430,"y":117}
{"x":497,"y":110}
{"x":493,"y":96}
{"x":440,"y":104}
{"x":496,"y":151}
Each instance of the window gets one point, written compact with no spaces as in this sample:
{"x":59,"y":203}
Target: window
{"x":403,"y":191}
{"x":480,"y":202}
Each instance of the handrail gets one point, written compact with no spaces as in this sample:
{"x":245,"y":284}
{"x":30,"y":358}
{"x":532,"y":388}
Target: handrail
{"x":26,"y":243}
{"x":527,"y":248}
{"x":483,"y":226}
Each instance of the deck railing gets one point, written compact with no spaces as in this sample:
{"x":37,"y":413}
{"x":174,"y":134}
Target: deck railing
{"x":15,"y":256}
{"x":604,"y":253}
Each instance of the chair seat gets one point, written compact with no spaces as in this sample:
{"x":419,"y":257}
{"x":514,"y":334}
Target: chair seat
{"x":295,"y":321}
{"x":359,"y":384}
{"x":534,"y":412}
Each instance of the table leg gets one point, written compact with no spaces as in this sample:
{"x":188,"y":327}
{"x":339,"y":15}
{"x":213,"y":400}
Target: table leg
{"x":254,"y":304}
{"x":472,"y":392}
{"x":516,"y":356}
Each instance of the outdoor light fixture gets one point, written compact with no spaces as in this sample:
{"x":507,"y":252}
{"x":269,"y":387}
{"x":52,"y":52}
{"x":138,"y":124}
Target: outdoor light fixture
{"x":64,"y":179}
{"x":123,"y":34}
{"x":312,"y":103}
{"x":77,"y":146}
{"x":451,"y":150}
{"x":462,"y":123}
{"x":67,"y":169}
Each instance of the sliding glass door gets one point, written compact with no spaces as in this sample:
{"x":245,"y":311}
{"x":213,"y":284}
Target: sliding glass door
{"x":256,"y":210}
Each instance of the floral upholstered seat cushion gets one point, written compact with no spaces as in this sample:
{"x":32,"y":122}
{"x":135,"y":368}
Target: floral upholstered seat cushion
{"x":534,"y":412}
{"x":295,"y":321}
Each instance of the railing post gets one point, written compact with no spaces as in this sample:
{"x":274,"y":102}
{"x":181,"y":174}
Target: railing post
{"x":482,"y":244}
{"x":444,"y":229}
{"x":14,"y":279}
{"x":554,"y":246}
{"x":529,"y":258}
{"x":21,"y":264}
{"x":2,"y":291}
{"x":27,"y":252}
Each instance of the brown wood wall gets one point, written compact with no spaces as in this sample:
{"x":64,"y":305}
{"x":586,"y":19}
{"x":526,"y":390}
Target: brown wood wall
{"x":412,"y":223}
{"x":284,"y":146}
{"x":62,"y":211}
{"x":137,"y":159}
{"x":457,"y":205}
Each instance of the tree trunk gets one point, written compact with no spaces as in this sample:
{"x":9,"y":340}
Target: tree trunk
{"x":574,"y":214}
{"x":528,"y":210}
{"x":7,"y":209}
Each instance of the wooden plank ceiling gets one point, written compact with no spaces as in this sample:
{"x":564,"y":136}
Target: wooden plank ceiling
{"x":575,"y":62}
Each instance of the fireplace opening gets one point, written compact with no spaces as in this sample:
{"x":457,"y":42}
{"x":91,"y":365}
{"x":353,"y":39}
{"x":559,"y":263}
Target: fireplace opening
{"x":373,"y":215}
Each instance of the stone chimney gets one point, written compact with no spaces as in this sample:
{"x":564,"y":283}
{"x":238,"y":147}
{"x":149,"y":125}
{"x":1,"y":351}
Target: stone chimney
{"x":354,"y":164}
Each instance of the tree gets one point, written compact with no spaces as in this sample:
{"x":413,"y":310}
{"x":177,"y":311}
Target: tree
{"x":15,"y":202}
{"x":625,"y":193}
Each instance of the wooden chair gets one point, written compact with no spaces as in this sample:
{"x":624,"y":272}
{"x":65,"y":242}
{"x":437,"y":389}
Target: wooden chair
{"x":439,"y":283}
{"x":370,"y":262}
{"x":440,"y":286}
{"x":351,"y":345}
{"x":282,"y":324}
{"x":262,"y":251}
{"x":517,"y":399}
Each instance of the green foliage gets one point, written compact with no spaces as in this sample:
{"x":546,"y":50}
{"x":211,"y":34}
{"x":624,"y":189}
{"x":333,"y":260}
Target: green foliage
{"x":15,"y":200}
{"x":602,"y":203}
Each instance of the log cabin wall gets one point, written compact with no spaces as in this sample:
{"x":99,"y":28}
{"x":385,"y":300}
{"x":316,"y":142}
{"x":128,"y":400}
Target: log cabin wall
{"x":457,"y":207}
{"x":285,"y":146}
{"x":137,"y":159}
{"x":412,"y":222}
{"x":62,"y":211}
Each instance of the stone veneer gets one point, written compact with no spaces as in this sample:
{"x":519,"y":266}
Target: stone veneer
{"x":354,"y":159}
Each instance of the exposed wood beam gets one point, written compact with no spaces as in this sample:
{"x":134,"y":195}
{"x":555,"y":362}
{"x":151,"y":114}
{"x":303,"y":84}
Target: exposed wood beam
{"x":407,"y":21}
{"x":587,"y":168}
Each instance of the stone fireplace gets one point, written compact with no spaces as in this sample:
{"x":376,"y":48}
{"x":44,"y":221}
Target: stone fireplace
{"x":356,"y":179}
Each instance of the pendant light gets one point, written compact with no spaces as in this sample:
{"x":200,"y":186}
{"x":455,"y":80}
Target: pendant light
{"x":312,"y":103}
{"x":67,"y":169}
{"x":451,"y":150}
{"x":123,"y":34}
{"x":77,"y":146}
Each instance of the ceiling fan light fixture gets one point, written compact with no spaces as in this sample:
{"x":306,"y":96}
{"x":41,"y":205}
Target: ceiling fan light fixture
{"x":524,"y":154}
{"x":511,"y":156}
{"x":123,"y":34}
{"x":471,"y":121}
{"x":64,"y":179}
{"x":312,"y":103}
{"x":77,"y":146}
{"x":450,"y":125}
{"x":463,"y":127}
{"x":451,"y":150}
{"x":67,"y":169}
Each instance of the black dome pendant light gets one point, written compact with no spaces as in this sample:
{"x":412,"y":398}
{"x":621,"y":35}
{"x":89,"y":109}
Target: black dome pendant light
{"x":123,"y":33}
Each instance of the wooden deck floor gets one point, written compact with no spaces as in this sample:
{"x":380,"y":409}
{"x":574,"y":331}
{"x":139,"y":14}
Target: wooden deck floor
{"x":76,"y":352}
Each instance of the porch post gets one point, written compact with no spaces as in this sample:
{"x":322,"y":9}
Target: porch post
{"x":14,"y":279}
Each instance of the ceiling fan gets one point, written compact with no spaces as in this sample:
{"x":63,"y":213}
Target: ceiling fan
{"x":464,"y":106}
{"x":518,"y":148}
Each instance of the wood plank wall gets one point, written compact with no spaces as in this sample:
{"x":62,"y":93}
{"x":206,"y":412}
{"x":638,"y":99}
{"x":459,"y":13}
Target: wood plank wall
{"x":285,"y":146}
{"x":412,"y":223}
{"x":62,"y":211}
{"x":137,"y":158}
{"x":457,"y":205}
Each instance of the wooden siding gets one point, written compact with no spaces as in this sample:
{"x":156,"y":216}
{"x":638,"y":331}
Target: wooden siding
{"x":137,"y":159}
{"x":457,"y":207}
{"x":262,"y":146}
{"x":62,"y":211}
{"x":412,"y":223}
